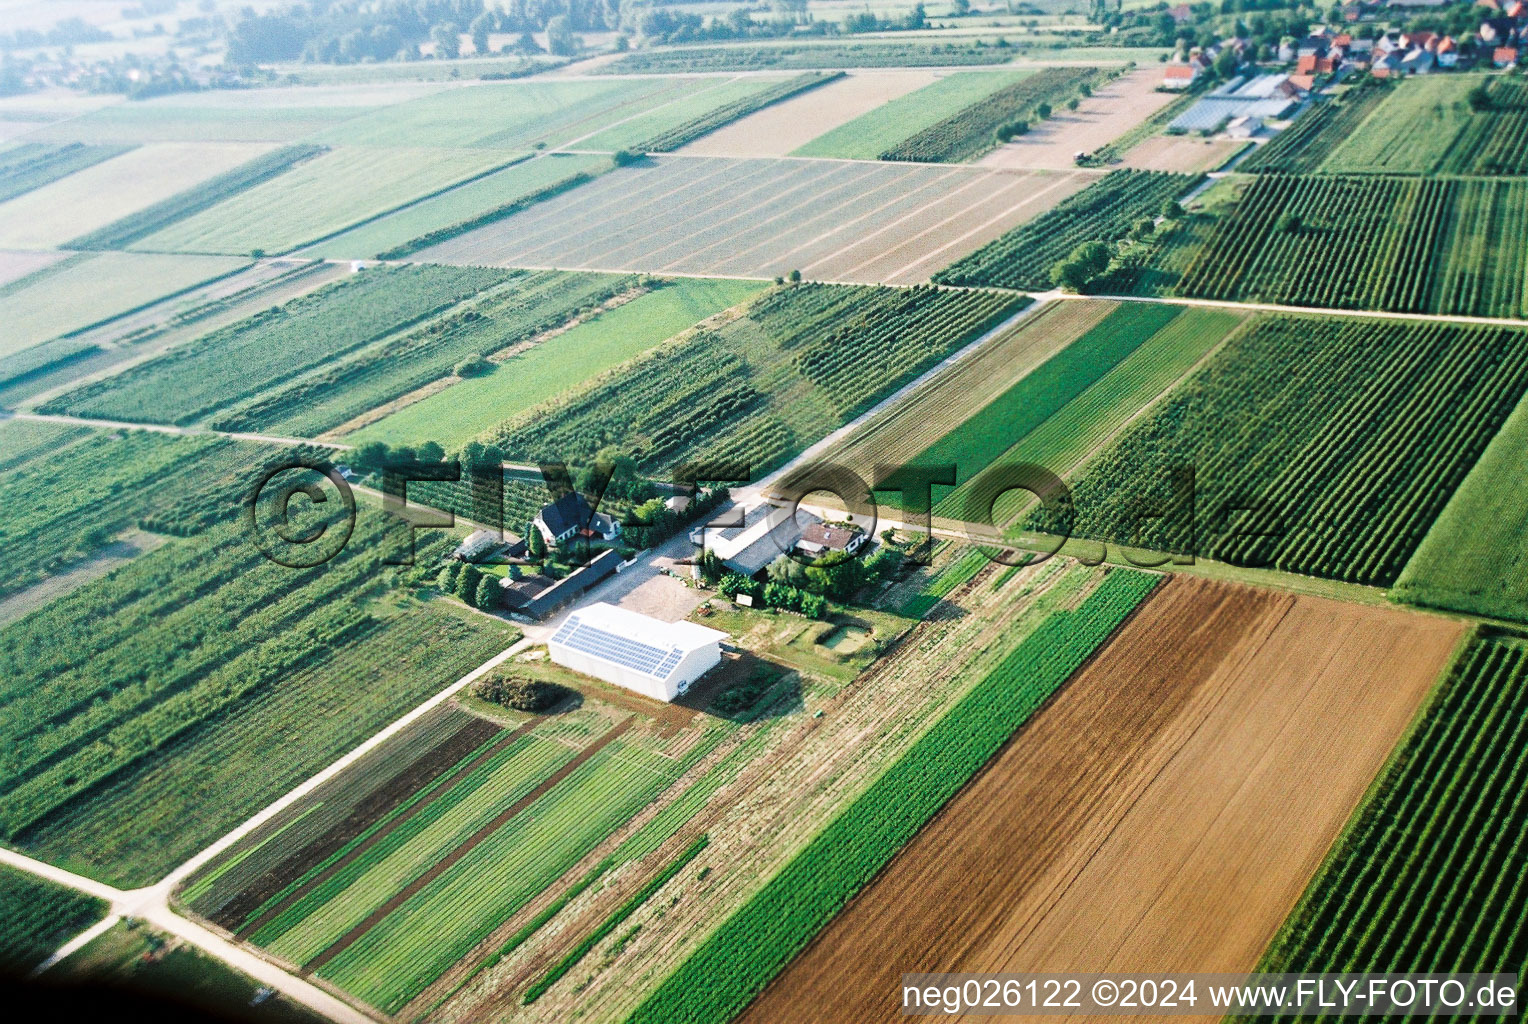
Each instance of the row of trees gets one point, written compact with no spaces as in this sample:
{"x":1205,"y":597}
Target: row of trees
{"x":807,"y":587}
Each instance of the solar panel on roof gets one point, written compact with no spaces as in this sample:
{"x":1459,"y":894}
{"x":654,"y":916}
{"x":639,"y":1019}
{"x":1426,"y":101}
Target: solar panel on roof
{"x":645,"y":658}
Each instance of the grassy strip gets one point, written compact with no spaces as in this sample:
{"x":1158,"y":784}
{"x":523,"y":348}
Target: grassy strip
{"x":613,"y":922}
{"x":487,"y":217}
{"x":30,"y":165}
{"x":705,"y":124}
{"x":126,"y":230}
{"x":738,"y":959}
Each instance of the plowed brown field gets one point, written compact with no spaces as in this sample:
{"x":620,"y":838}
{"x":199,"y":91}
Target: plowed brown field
{"x":1163,"y":814}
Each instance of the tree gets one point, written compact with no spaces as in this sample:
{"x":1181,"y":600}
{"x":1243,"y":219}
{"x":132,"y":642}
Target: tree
{"x":467,"y":583}
{"x":487,"y":595}
{"x":785,"y":569}
{"x":1288,"y":223}
{"x":369,"y":458}
{"x":1087,"y":261}
{"x":535,"y":543}
{"x":480,"y":27}
{"x":624,"y":157}
{"x":1043,"y":111}
{"x":1172,"y":209}
{"x":559,"y":36}
{"x":1479,"y":98}
{"x":448,"y":41}
{"x":431,"y":452}
{"x":449,"y":575}
{"x":794,"y":277}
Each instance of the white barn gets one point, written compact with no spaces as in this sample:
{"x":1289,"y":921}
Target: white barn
{"x":654,"y":658}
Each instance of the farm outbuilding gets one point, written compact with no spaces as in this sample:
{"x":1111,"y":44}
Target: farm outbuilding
{"x":654,"y":658}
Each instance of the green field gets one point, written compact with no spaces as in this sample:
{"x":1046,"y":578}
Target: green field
{"x":86,"y":289}
{"x":237,"y":362}
{"x":199,"y":682}
{"x":457,"y":205}
{"x":1474,"y":559}
{"x":91,"y":198}
{"x":510,"y":115}
{"x":513,"y":312}
{"x":1429,"y":873}
{"x":320,"y":197}
{"x":709,"y":105}
{"x":29,"y":165}
{"x":1060,"y":413}
{"x":1426,"y":125}
{"x":763,"y":387}
{"x":970,"y":132}
{"x":1319,"y":446}
{"x":1385,"y":243}
{"x":873,"y":133}
{"x":1104,"y":211}
{"x":37,"y":917}
{"x":737,"y":960}
{"x":471,"y":408}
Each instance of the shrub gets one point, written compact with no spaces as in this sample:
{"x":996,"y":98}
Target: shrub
{"x":473,"y":366}
{"x":520,"y":693}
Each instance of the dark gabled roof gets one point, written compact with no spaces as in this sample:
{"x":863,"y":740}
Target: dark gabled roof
{"x":569,"y":512}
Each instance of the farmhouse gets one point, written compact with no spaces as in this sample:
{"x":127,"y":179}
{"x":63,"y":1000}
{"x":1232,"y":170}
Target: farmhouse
{"x":767,"y":532}
{"x":571,"y":515}
{"x":820,"y":539}
{"x":657,"y":659}
{"x":1179,"y":76}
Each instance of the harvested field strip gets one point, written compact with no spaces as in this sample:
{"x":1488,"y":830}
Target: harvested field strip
{"x":1075,"y":431}
{"x":969,"y":133}
{"x":872,"y":133}
{"x":1207,"y":755}
{"x":899,"y":434}
{"x":443,"y":865}
{"x":369,"y":824}
{"x":621,"y":913}
{"x":978,"y":441}
{"x":30,"y":165}
{"x":673,"y":138}
{"x":1320,"y":446}
{"x":1430,"y":872}
{"x":741,"y":957}
{"x":120,"y":233}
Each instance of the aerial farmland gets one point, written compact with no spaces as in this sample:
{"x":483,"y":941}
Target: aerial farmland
{"x":703,"y":513}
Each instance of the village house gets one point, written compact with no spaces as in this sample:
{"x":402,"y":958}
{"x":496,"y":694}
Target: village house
{"x":570,"y":516}
{"x":820,"y":539}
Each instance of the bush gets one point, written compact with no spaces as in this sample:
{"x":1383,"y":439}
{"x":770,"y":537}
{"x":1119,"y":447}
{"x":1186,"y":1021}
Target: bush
{"x":625,"y":157}
{"x":520,"y":693}
{"x":473,"y":366}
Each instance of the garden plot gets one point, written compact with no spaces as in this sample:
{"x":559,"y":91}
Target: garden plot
{"x":1099,"y":119}
{"x":854,"y":222}
{"x":778,"y":129}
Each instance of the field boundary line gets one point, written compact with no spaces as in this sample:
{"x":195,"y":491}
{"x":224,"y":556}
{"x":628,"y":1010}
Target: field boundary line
{"x":211,"y":852}
{"x":452,"y":779}
{"x":1271,"y":307}
{"x":78,"y":943}
{"x":445,"y":863}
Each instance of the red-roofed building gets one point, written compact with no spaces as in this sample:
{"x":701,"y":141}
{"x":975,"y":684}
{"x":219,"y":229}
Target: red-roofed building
{"x":1504,"y":56}
{"x":1179,"y":76}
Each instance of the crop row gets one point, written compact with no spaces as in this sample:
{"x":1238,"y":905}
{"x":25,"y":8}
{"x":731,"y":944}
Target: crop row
{"x":29,"y":165}
{"x":1318,"y":446}
{"x":1495,"y":139}
{"x":1431,"y":873}
{"x":1104,"y":211}
{"x":337,"y":392}
{"x":808,"y":354}
{"x":1301,"y":148}
{"x":126,"y":230}
{"x":673,"y":138}
{"x":969,"y":133}
{"x":740,"y":957}
{"x":36,"y":917}
{"x":1392,"y":243}
{"x":243,"y":359}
